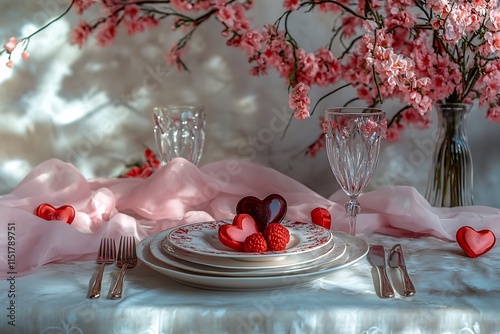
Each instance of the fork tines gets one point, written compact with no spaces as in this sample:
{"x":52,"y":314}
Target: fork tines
{"x":107,"y":249}
{"x":127,"y":258}
{"x":105,"y":255}
{"x":126,"y":249}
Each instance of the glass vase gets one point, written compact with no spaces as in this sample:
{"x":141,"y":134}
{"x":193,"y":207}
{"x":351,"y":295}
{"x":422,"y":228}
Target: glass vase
{"x":450,"y":178}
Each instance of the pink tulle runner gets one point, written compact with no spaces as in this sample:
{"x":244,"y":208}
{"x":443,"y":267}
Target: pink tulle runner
{"x":181,"y":193}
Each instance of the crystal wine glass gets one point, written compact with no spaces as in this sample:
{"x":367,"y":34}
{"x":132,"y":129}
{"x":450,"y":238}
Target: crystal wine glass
{"x":353,"y":138}
{"x":179,"y":132}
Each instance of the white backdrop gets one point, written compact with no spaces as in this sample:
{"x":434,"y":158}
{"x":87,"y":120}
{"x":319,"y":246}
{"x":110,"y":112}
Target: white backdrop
{"x":92,"y":106}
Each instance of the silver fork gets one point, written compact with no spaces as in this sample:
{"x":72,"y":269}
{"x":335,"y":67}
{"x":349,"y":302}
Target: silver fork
{"x":127,"y":258}
{"x":106,"y":255}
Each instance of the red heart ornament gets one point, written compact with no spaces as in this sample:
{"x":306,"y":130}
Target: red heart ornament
{"x":321,"y":217}
{"x":233,"y":236}
{"x":475,"y":243}
{"x":271,"y":209}
{"x":65,"y":213}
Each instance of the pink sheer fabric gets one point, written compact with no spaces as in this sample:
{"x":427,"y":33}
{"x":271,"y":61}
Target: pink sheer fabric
{"x":181,"y":193}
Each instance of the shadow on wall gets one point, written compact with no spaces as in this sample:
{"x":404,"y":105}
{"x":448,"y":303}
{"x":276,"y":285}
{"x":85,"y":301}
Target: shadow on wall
{"x":92,"y":107}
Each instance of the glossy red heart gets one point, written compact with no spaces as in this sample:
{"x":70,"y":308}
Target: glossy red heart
{"x":271,"y":209}
{"x":233,"y":236}
{"x":65,"y":213}
{"x":321,"y":217}
{"x":475,"y":243}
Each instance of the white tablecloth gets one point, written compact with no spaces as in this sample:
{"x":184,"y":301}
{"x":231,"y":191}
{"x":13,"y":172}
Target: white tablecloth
{"x":455,"y":294}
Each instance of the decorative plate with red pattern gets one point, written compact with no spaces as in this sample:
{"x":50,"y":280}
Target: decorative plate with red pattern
{"x":202,"y":238}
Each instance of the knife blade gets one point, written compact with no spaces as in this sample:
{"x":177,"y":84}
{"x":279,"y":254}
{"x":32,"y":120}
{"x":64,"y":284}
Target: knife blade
{"x":376,"y":254}
{"x":396,"y":260}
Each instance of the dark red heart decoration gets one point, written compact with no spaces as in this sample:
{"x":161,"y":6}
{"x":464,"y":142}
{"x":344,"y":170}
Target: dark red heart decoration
{"x":321,"y":217}
{"x":271,"y":209}
{"x":475,"y":243}
{"x":233,"y":236}
{"x":65,"y":213}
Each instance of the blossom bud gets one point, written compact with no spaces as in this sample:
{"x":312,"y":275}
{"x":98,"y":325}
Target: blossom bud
{"x":10,"y":45}
{"x":25,"y":55}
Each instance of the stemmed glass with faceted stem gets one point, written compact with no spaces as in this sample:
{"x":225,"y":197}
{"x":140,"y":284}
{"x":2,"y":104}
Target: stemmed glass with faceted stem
{"x":353,"y":138}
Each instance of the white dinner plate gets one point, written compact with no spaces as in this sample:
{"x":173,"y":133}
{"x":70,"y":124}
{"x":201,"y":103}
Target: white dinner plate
{"x":356,"y":249}
{"x":227,"y":262}
{"x":160,"y":250}
{"x":203,"y":239}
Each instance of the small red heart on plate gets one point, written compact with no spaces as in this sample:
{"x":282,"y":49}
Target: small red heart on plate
{"x":233,"y":236}
{"x":475,"y":243}
{"x":65,"y":213}
{"x":271,"y":209}
{"x":321,"y":217}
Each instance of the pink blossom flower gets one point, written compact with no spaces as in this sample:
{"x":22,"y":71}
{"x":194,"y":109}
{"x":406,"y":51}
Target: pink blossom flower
{"x":10,"y":45}
{"x":25,"y":55}
{"x":356,"y":70}
{"x":173,"y":56}
{"x":227,"y":15}
{"x":436,"y":23}
{"x":251,"y":41}
{"x":332,"y":7}
{"x":131,"y":11}
{"x":82,"y":5}
{"x":299,"y":101}
{"x":401,"y":18}
{"x":419,"y":120}
{"x":80,"y":33}
{"x":233,"y":17}
{"x":440,"y":7}
{"x":493,"y":114}
{"x":149,"y":22}
{"x":10,"y":64}
{"x":182,"y":5}
{"x":291,"y":4}
{"x":107,"y":32}
{"x":349,"y":25}
{"x":365,"y":94}
{"x":495,"y":18}
{"x":308,"y":65}
{"x":393,"y":133}
{"x":493,"y":41}
{"x":132,"y":20}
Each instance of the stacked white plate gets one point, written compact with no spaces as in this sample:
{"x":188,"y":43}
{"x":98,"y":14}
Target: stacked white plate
{"x":193,"y":255}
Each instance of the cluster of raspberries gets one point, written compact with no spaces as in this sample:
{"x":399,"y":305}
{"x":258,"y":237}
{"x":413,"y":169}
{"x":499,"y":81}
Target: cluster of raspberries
{"x":274,"y":238}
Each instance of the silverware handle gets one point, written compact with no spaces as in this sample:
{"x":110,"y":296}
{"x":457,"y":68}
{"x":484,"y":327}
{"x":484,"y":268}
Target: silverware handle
{"x":95,"y":288}
{"x":408,"y":287}
{"x":386,"y":290}
{"x":116,"y":293}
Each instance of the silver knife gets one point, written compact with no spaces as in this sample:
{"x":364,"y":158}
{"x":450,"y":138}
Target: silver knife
{"x":396,"y":260}
{"x":376,"y":254}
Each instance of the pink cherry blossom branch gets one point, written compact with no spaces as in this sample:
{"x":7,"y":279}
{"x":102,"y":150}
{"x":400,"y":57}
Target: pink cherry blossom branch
{"x":329,"y":94}
{"x":25,"y":40}
{"x":51,"y":22}
{"x":344,"y":7}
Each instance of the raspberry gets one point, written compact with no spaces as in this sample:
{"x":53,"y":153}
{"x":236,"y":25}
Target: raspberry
{"x":255,"y":243}
{"x":277,"y":237}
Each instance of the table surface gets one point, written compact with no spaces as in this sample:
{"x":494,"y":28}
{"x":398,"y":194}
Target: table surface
{"x":455,"y":294}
